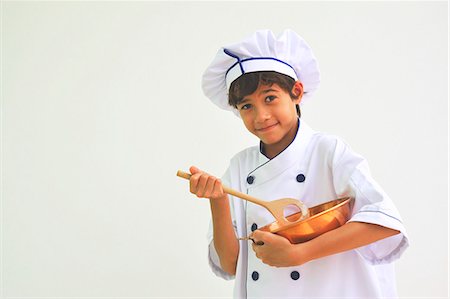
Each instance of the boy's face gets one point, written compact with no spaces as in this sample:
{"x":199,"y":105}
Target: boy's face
{"x":270,"y":114}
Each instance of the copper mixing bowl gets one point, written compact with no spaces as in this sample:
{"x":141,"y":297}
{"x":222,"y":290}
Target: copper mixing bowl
{"x":322,"y":218}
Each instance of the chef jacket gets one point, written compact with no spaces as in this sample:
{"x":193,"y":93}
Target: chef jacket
{"x":314,"y":168}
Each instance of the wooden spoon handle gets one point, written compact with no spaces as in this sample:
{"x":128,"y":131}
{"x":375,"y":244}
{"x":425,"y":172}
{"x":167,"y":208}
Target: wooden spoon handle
{"x":230,"y":191}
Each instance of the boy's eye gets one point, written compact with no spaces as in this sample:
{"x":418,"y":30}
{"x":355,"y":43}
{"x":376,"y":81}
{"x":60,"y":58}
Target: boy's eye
{"x":245,"y":107}
{"x":270,"y":99}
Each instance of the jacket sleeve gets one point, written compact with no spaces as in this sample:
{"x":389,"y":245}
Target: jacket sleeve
{"x":213,"y":257}
{"x":352,"y":177}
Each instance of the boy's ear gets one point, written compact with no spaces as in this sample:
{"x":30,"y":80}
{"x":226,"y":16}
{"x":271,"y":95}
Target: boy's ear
{"x":297,"y":90}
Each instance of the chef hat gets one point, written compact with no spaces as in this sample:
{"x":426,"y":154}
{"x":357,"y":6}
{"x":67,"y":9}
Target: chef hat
{"x":288,"y":54}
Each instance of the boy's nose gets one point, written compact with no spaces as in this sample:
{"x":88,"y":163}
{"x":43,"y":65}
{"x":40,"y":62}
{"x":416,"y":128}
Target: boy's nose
{"x":262,"y":114}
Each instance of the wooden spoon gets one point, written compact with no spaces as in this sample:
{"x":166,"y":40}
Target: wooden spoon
{"x":275,"y":207}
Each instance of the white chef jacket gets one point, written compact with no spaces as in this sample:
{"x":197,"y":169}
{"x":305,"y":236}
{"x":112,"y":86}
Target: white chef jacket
{"x":314,"y":168}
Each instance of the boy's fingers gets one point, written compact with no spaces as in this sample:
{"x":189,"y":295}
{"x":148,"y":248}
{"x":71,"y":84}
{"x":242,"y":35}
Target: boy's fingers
{"x":203,"y":184}
{"x":218,"y":189}
{"x":202,"y":180}
{"x":194,"y":181}
{"x":209,"y":187}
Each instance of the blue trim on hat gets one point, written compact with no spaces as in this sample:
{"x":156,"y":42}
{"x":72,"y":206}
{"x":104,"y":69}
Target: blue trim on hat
{"x":252,"y":58}
{"x":229,"y":53}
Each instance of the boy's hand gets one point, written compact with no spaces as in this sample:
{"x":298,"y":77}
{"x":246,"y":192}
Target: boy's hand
{"x":205,"y":185}
{"x":276,"y":251}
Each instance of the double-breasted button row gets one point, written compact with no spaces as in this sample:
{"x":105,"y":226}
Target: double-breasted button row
{"x":255,"y":275}
{"x":300,"y":178}
{"x":294,"y":275}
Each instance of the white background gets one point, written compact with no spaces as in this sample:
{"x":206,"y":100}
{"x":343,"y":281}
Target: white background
{"x":101,"y":105}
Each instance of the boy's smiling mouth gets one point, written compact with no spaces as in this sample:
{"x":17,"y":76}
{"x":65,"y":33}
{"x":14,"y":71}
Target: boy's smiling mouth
{"x":266,"y":128}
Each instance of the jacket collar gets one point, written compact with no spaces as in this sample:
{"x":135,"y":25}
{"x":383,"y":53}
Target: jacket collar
{"x":270,"y":168}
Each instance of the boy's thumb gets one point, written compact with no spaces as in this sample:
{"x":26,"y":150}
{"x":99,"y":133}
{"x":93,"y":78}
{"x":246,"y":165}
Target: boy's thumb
{"x":194,"y":169}
{"x":258,"y":237}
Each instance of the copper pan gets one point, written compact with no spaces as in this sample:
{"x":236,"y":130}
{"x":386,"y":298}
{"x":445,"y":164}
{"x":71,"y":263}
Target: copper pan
{"x":322,"y":218}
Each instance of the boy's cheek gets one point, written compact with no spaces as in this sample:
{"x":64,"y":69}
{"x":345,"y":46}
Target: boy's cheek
{"x":248,"y":124}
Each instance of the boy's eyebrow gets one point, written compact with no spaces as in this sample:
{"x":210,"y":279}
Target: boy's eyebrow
{"x":267,"y":90}
{"x":245,"y":99}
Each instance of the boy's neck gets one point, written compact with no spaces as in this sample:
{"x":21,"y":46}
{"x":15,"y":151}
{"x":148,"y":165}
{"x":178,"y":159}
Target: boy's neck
{"x":269,"y":151}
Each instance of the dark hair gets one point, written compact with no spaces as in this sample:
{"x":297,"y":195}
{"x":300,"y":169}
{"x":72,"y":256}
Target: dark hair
{"x":249,"y":82}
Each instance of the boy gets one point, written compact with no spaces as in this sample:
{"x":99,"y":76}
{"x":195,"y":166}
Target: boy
{"x":263,"y":79}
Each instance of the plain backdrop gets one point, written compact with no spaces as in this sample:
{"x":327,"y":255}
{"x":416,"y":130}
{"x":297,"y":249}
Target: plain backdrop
{"x":101,"y":104}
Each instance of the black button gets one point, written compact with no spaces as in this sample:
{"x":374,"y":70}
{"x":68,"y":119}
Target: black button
{"x":250,"y":179}
{"x":254,"y":227}
{"x":255,"y":275}
{"x":295,"y":275}
{"x":300,"y":178}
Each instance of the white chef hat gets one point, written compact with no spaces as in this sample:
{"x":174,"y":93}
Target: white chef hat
{"x":288,"y":54}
